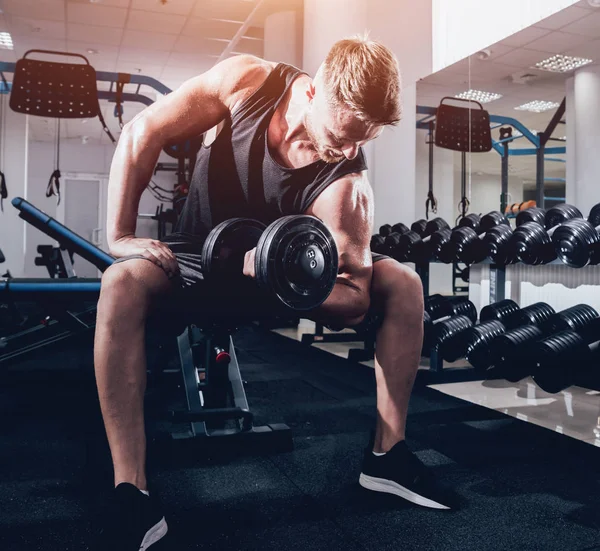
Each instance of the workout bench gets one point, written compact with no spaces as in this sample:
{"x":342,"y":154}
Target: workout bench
{"x":216,"y":403}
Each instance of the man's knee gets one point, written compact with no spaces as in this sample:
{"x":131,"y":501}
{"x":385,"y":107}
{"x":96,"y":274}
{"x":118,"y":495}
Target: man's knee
{"x":397,"y":288}
{"x":132,"y":283}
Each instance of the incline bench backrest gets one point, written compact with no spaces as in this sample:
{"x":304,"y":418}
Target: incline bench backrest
{"x":67,"y":238}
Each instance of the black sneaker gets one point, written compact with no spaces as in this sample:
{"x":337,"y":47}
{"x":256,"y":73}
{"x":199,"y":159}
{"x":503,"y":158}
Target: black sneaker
{"x":401,"y":473}
{"x":134,"y":523}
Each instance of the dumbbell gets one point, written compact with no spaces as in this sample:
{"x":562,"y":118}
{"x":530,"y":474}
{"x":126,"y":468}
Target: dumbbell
{"x":531,"y":243}
{"x":296,"y":260}
{"x":419,"y":246}
{"x":439,"y":313}
{"x":534,"y":214}
{"x":470,"y":341}
{"x":565,"y":358}
{"x":468,"y":242}
{"x":577,"y":241}
{"x":474,"y":343}
{"x":510,"y":352}
{"x":387,"y":239}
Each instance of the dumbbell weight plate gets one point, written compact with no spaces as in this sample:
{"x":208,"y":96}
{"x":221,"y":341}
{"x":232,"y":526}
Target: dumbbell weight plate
{"x":534,"y":214}
{"x":226,"y":245}
{"x":297,"y":260}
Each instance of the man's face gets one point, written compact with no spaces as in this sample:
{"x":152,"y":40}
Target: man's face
{"x":334,"y":131}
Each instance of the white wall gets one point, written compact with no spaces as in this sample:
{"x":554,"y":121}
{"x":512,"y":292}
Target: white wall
{"x":13,"y":156}
{"x":485,"y":191}
{"x":463,"y":27}
{"x":283,"y":38}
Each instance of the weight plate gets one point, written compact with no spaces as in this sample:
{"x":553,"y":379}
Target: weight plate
{"x":226,"y":245}
{"x":297,"y":261}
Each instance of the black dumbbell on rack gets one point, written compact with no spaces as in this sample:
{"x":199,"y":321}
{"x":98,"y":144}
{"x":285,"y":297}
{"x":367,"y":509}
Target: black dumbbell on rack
{"x":420,"y":246}
{"x":439,"y":313}
{"x":511,"y":352}
{"x":531,"y":242}
{"x":567,"y":358}
{"x":577,"y":241}
{"x":469,"y":241}
{"x":475,"y":342}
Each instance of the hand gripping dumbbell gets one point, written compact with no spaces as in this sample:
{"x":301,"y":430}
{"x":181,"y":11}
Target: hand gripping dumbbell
{"x":531,"y":243}
{"x":577,"y":241}
{"x":296,"y":259}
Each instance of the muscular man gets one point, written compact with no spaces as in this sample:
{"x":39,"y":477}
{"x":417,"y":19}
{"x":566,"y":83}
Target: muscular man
{"x":287,"y":144}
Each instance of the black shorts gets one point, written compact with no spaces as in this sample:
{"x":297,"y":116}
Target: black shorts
{"x":191,"y":293}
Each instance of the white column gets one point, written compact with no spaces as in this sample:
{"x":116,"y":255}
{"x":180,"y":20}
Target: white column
{"x":283,"y":40}
{"x":586,"y":119}
{"x":571,"y":171}
{"x":326,"y":22}
{"x":13,"y":162}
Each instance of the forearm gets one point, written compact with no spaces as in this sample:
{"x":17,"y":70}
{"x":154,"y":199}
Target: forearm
{"x":130,"y":174}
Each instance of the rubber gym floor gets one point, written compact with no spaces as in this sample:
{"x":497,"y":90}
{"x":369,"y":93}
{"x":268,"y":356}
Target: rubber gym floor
{"x":522,"y":487}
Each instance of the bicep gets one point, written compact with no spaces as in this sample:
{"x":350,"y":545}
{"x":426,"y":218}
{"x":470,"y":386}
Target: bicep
{"x":348,"y":213}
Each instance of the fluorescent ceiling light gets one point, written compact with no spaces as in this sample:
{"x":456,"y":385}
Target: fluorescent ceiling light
{"x":6,"y":42}
{"x":562,"y":63}
{"x":538,"y":106}
{"x":478,"y":95}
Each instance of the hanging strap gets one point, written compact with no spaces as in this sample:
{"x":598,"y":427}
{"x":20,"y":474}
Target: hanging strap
{"x":122,"y":80}
{"x":105,"y":127}
{"x":3,"y":188}
{"x":54,"y":182}
{"x":431,"y":201}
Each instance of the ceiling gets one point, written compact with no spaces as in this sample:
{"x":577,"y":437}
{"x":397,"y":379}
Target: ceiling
{"x":170,"y":40}
{"x":574,"y":31}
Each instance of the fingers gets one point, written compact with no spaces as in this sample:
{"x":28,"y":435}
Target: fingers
{"x":160,"y":255}
{"x":249,"y":263}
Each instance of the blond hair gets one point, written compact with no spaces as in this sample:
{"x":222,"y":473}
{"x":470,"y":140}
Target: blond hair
{"x":363,"y":75}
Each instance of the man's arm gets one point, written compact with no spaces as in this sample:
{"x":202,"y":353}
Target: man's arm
{"x":198,"y":105}
{"x":346,"y":207}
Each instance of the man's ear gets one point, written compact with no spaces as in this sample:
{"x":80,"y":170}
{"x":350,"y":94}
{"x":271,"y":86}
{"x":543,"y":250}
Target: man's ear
{"x":310,"y":93}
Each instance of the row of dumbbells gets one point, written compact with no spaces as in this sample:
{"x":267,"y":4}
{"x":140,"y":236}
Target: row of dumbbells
{"x":539,"y":238}
{"x":557,"y":349}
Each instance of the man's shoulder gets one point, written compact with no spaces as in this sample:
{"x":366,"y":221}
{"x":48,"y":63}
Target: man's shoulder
{"x":248,"y":74}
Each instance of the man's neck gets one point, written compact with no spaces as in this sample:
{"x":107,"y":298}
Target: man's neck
{"x":292,"y":113}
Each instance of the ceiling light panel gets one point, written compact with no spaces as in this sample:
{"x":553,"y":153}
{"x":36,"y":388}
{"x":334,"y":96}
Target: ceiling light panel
{"x":562,"y":63}
{"x":479,"y":95}
{"x":538,"y":106}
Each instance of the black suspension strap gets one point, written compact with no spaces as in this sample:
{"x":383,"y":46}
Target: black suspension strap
{"x":54,"y":182}
{"x":105,"y":127}
{"x":122,"y":80}
{"x":431,"y":200}
{"x":3,"y":188}
{"x":464,"y":203}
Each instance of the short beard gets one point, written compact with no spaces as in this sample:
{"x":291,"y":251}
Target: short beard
{"x":324,"y":154}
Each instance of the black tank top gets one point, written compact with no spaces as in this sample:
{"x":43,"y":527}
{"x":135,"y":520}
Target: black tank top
{"x":236,"y":176}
